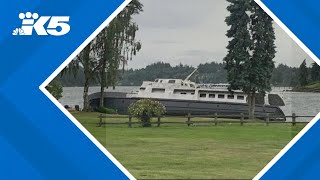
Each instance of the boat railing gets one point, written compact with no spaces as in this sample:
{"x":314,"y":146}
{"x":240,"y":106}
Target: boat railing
{"x":212,"y":86}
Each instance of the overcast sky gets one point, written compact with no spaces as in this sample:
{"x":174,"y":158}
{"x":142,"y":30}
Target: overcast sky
{"x":193,"y":32}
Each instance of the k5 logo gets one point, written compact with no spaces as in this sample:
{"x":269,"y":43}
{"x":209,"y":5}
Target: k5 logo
{"x":57,"y":26}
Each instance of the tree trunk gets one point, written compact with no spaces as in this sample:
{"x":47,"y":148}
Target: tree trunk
{"x":85,"y":96}
{"x":87,"y":76}
{"x":251,"y":105}
{"x":102,"y":96}
{"x":103,"y":84}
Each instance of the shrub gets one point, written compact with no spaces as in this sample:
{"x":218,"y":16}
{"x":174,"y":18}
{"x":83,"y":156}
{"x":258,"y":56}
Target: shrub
{"x":145,"y":109}
{"x":55,"y":89}
{"x":105,"y":110}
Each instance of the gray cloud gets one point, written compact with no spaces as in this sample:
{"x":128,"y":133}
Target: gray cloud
{"x":193,"y":32}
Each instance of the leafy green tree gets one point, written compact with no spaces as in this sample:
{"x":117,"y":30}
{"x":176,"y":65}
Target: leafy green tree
{"x":55,"y":89}
{"x":251,"y":50}
{"x":104,"y":54}
{"x":303,"y":73}
{"x":117,"y":44}
{"x":90,"y":65}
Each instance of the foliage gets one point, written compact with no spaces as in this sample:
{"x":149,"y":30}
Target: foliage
{"x":105,"y":110}
{"x":145,"y":109}
{"x":238,"y":58}
{"x":303,"y":74}
{"x":153,"y":71}
{"x":101,"y":58}
{"x":263,"y":36}
{"x":55,"y":89}
{"x":315,"y":72}
{"x":284,"y":75}
{"x":213,"y":72}
{"x":117,"y":44}
{"x":251,"y":50}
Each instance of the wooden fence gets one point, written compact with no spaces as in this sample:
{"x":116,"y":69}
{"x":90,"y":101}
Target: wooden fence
{"x":242,"y":120}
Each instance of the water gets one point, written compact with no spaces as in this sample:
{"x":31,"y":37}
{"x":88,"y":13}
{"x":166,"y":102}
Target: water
{"x":301,"y":103}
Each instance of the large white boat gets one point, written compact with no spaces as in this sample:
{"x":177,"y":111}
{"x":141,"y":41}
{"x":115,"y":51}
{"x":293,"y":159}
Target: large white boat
{"x":181,"y":97}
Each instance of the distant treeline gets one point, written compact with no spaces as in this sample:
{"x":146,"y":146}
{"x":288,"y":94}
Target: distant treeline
{"x":213,"y":72}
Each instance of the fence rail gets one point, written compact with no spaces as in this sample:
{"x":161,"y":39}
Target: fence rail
{"x":242,"y":119}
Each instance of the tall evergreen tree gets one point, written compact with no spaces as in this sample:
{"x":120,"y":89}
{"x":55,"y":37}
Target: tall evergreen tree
{"x":240,"y":43}
{"x":303,"y":73}
{"x":315,"y":72}
{"x":261,"y":63}
{"x":251,"y":50}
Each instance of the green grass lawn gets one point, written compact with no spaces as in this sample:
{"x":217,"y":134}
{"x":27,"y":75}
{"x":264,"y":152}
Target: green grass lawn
{"x":226,"y":151}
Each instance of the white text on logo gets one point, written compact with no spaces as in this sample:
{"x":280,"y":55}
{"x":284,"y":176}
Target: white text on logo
{"x":57,"y":26}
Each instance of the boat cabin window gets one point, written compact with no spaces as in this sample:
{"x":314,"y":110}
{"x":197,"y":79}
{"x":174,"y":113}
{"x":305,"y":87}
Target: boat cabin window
{"x":240,"y":97}
{"x":183,"y":91}
{"x":142,"y":88}
{"x":212,"y":95}
{"x":158,"y":90}
{"x":221,"y":96}
{"x":203,"y":95}
{"x":172,"y":81}
{"x":230,"y":96}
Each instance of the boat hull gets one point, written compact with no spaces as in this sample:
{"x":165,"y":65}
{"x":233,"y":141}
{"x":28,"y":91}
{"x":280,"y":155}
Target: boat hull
{"x":120,"y":103}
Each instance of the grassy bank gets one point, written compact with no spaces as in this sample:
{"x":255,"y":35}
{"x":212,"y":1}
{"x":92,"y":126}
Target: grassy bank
{"x":314,"y":87}
{"x":181,"y":152}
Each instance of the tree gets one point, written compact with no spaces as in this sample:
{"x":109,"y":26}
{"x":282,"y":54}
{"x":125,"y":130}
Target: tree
{"x":101,"y":58}
{"x":118,"y":45}
{"x":249,"y":62}
{"x":315,"y":72}
{"x":91,"y":64}
{"x":261,"y":64}
{"x":303,"y":73}
{"x":240,"y":43}
{"x":55,"y":89}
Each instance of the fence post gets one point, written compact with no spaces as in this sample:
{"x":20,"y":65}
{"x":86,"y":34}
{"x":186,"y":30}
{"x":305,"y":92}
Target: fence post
{"x":189,"y":118}
{"x":100,"y":120}
{"x":241,"y":119}
{"x":215,"y":118}
{"x":267,"y":119}
{"x":294,"y":119}
{"x":159,"y":121}
{"x":129,"y":124}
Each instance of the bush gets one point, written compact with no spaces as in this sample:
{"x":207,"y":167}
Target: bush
{"x":55,"y":89}
{"x":105,"y":110}
{"x":145,"y":109}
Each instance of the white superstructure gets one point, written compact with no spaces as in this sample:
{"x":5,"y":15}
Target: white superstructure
{"x":186,"y":90}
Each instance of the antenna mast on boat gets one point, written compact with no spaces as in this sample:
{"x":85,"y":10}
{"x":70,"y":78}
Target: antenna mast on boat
{"x":191,"y":74}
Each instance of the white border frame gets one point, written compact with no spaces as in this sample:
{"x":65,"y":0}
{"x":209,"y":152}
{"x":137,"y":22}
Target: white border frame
{"x":63,"y":65}
{"x":315,"y":119}
{"x":104,"y":150}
